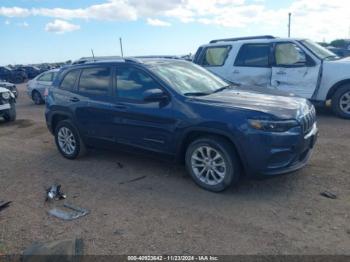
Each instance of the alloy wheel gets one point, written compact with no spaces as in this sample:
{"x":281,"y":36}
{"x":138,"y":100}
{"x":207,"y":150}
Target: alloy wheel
{"x":66,"y":141}
{"x":209,"y":165}
{"x":344,"y":103}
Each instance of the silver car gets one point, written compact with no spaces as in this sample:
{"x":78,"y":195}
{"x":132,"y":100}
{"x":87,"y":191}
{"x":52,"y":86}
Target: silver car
{"x":36,"y":87}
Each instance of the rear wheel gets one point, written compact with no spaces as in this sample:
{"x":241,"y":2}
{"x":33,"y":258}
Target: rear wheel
{"x":36,"y":97}
{"x":341,"y":102}
{"x":11,"y":114}
{"x":212,"y":163}
{"x":68,"y":140}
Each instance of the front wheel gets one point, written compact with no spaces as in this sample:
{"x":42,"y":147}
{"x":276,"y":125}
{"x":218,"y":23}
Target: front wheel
{"x":11,"y":114}
{"x":68,"y":140}
{"x":212,"y":163}
{"x":341,"y":102}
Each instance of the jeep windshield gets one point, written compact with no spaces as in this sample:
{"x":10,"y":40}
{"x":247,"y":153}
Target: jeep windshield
{"x":319,"y":50}
{"x":187,"y":78}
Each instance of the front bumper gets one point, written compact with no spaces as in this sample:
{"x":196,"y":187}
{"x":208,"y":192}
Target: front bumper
{"x":279,"y":153}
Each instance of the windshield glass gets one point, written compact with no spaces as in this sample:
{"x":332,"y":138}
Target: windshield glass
{"x":187,"y":78}
{"x":318,"y":50}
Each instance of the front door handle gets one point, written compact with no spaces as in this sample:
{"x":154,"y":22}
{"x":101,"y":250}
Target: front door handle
{"x":120,"y":107}
{"x":236,"y":71}
{"x":74,"y":99}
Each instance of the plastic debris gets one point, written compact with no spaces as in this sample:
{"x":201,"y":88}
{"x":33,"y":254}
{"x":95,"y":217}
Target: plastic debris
{"x":4,"y":205}
{"x":75,"y":213}
{"x":328,"y":194}
{"x":55,"y":193}
{"x":132,"y":180}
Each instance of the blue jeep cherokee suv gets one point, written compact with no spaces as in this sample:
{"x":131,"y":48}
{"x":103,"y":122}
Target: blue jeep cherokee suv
{"x":179,"y":109}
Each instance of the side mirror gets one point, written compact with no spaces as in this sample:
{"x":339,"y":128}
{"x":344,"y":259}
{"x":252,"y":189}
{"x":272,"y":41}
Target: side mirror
{"x":154,"y":95}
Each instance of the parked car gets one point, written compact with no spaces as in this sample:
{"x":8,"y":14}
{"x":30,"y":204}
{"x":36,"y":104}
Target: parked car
{"x":179,"y":109}
{"x":10,"y":86}
{"x":31,"y":71}
{"x":340,"y":52}
{"x":13,"y":76}
{"x":37,"y":86}
{"x":7,"y":105}
{"x":297,"y":66}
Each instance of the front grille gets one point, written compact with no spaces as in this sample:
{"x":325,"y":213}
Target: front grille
{"x":308,"y":121}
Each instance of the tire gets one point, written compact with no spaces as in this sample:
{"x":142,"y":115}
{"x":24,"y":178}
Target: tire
{"x":36,"y":97}
{"x":341,"y":102}
{"x":229,"y":171}
{"x":11,"y":114}
{"x":66,"y":129}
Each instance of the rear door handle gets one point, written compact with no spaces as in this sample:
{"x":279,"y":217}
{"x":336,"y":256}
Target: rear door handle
{"x":236,"y":71}
{"x":281,"y":73}
{"x":74,"y":99}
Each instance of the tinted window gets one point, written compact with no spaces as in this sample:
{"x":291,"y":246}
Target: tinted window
{"x":69,"y":80}
{"x":289,"y":54}
{"x":46,"y":77}
{"x":256,"y":55}
{"x":95,"y":81}
{"x":132,"y":83}
{"x":215,"y":56}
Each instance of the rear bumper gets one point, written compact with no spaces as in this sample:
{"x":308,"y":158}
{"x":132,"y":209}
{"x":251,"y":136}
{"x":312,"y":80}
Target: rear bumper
{"x":280,"y":153}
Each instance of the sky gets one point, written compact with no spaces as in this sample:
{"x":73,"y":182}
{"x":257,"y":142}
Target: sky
{"x":36,"y":31}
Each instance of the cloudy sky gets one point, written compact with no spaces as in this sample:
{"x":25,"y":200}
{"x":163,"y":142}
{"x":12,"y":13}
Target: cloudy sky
{"x":35,"y":31}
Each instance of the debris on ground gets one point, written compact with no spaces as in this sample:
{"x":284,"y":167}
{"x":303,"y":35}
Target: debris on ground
{"x":63,"y":250}
{"x":328,"y":194}
{"x":54,"y":193}
{"x":120,"y":165}
{"x":132,"y":180}
{"x":4,"y":205}
{"x":74,"y":213}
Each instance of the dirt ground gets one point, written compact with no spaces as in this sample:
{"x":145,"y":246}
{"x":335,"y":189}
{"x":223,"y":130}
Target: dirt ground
{"x":166,"y":213}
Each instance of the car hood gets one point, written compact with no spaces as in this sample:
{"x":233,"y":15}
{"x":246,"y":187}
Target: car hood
{"x":6,"y":84}
{"x":279,"y":104}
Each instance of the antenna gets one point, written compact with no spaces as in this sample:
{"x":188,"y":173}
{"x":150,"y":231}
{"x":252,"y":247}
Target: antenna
{"x":121,"y":46}
{"x":289,"y":20}
{"x":93,"y":55}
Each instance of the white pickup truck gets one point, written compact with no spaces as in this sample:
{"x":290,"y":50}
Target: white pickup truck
{"x":297,"y":66}
{"x":7,"y":105}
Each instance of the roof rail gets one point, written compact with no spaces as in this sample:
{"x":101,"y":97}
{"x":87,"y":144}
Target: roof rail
{"x":242,"y":38}
{"x":84,"y":60}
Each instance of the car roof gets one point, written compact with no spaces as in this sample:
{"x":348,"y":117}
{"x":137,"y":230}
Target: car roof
{"x":250,"y":41}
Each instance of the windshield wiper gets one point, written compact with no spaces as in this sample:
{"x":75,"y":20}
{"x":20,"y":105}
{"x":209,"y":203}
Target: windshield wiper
{"x":196,"y":94}
{"x":331,"y":56}
{"x":223,"y":88}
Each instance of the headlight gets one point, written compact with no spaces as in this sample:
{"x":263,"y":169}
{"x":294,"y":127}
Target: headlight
{"x":6,"y":95}
{"x":273,"y":126}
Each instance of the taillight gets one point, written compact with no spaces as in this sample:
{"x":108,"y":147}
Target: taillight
{"x":46,"y":93}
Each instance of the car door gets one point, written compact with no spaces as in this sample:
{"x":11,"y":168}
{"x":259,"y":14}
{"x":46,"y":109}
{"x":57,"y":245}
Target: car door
{"x":293,"y":70}
{"x":95,"y":113}
{"x":252,"y":65}
{"x":145,"y":124}
{"x":44,"y":81}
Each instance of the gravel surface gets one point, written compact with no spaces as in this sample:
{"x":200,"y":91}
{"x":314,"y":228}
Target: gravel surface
{"x":165,"y":212}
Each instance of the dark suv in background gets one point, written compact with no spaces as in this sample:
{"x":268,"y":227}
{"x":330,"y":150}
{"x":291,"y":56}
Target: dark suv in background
{"x":12,"y":75}
{"x":181,"y":110}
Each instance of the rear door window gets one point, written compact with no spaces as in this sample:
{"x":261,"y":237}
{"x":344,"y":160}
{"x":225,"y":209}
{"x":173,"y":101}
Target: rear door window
{"x":215,"y":56}
{"x":253,"y":55}
{"x":69,"y":80}
{"x":95,"y":81}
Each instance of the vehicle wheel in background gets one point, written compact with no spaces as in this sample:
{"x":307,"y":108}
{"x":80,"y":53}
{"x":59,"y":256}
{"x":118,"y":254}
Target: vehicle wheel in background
{"x":212,"y":163}
{"x":341,"y":102}
{"x":68,"y":140}
{"x":11,"y":114}
{"x":36,"y":97}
